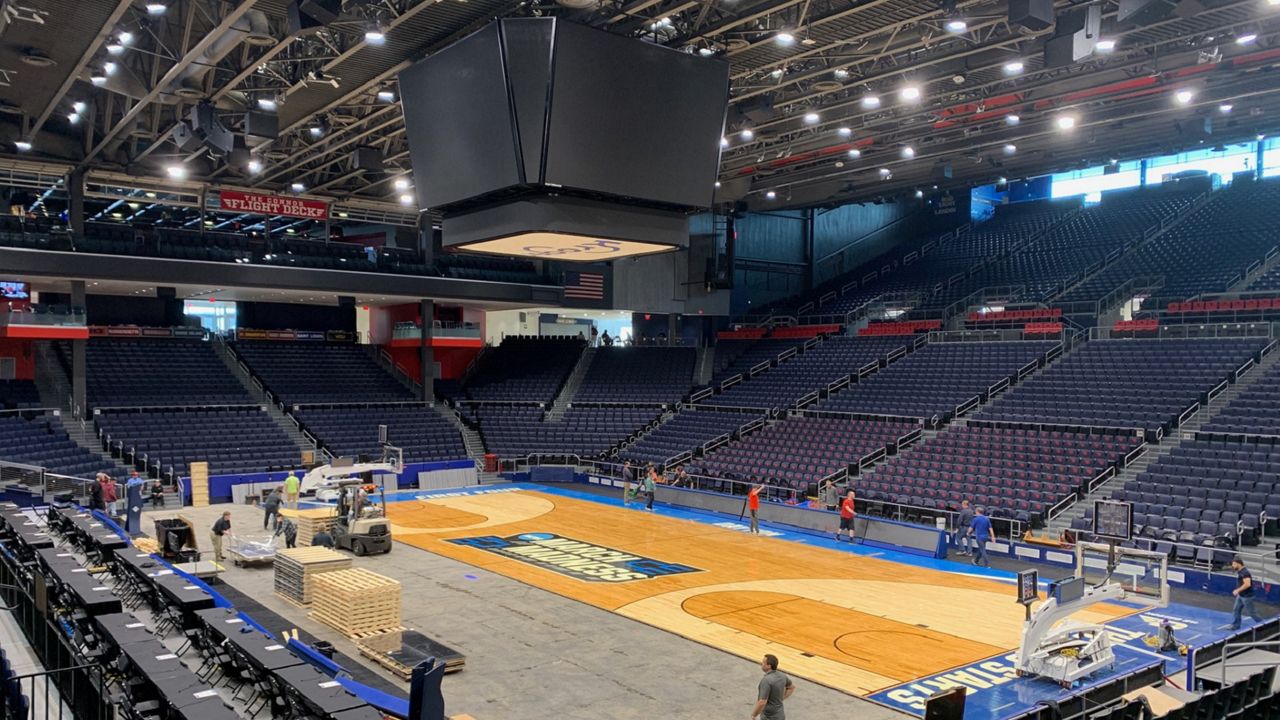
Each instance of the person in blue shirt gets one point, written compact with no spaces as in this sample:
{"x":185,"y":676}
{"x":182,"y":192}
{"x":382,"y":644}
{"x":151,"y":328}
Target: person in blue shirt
{"x":981,"y":531}
{"x":1244,"y":593}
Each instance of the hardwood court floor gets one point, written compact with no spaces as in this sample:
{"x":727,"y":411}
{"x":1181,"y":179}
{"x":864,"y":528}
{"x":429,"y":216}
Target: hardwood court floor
{"x":854,"y":623}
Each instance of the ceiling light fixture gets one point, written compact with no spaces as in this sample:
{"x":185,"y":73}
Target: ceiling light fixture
{"x":401,"y":184}
{"x":156,"y":8}
{"x":908,"y":152}
{"x":811,"y":118}
{"x":386,"y":96}
{"x":125,"y":38}
{"x":267,"y":103}
{"x":776,"y":74}
{"x":706,"y":51}
{"x":1065,"y":122}
{"x":717,"y":183}
{"x":855,"y":153}
{"x":1010,"y":148}
{"x":909,"y":93}
{"x":406,"y":199}
{"x":375,"y":35}
{"x":1105,"y":45}
{"x":73,"y":118}
{"x":177,"y":172}
{"x":841,"y":74}
{"x":885,"y":172}
{"x":956,"y":25}
{"x":1012,"y":119}
{"x":1013,"y":68}
{"x":919,"y":194}
{"x":724,"y":142}
{"x":1246,"y":39}
{"x":844,"y":132}
{"x":109,"y":68}
{"x":1184,"y":96}
{"x":114,"y":48}
{"x":746,"y":134}
{"x":255,"y":166}
{"x":784,"y":39}
{"x":22,"y":145}
{"x":1224,"y":108}
{"x":297,"y":187}
{"x":870,"y":101}
{"x":77,"y":106}
{"x":771,"y":195}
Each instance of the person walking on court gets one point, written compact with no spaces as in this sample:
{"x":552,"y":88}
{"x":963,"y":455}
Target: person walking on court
{"x":1244,"y":593}
{"x":774,"y":688}
{"x":289,"y":531}
{"x":291,"y":485}
{"x":628,"y":479}
{"x":650,"y":487}
{"x":271,"y":509}
{"x":982,"y":531}
{"x":221,"y":528}
{"x":753,"y":504}
{"x":847,"y":515}
{"x":963,"y":522}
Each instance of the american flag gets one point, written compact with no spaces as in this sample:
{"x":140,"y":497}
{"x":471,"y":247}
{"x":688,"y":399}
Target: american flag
{"x":583,"y":285}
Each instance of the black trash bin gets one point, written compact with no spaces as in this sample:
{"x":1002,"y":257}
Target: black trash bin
{"x":324,"y":647}
{"x":172,"y":535}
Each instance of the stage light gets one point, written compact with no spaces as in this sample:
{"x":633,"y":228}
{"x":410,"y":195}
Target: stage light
{"x":109,"y":68}
{"x":855,"y":153}
{"x":784,"y":39}
{"x":956,"y":25}
{"x":1010,"y":148}
{"x":177,"y":172}
{"x":909,"y":93}
{"x":811,"y":118}
{"x":746,"y":134}
{"x":297,"y":187}
{"x":1013,"y":68}
{"x":401,"y":184}
{"x":156,"y":8}
{"x":1105,"y":45}
{"x":844,"y":132}
{"x":870,"y":101}
{"x":114,"y":48}
{"x":125,"y":38}
{"x":77,"y":107}
{"x":1012,"y":119}
{"x":73,"y":118}
{"x":1224,"y":108}
{"x":1246,"y":39}
{"x":1184,"y":96}
{"x":255,"y":166}
{"x":22,"y":145}
{"x":1065,"y":122}
{"x":406,"y":199}
{"x":771,"y":195}
{"x":908,"y":152}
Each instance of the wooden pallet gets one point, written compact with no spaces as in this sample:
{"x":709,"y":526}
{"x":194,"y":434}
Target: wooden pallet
{"x":146,"y":544}
{"x":297,"y":568}
{"x":355,"y":601}
{"x":199,"y":472}
{"x":310,"y":522}
{"x":400,"y":649}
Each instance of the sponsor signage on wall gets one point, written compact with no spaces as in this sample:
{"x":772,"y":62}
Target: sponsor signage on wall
{"x":242,"y":202}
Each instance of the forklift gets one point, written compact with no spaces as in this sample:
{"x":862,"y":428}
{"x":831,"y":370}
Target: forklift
{"x":362,"y":526}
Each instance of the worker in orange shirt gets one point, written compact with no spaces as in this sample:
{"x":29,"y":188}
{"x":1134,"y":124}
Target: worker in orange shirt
{"x":753,"y":504}
{"x":847,"y":515}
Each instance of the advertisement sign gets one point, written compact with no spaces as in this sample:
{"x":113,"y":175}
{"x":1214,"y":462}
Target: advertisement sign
{"x":242,"y":202}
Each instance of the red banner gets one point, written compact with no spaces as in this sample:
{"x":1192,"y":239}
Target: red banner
{"x":241,"y":202}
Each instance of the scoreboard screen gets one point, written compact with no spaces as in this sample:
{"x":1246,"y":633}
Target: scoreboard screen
{"x":1113,"y":519}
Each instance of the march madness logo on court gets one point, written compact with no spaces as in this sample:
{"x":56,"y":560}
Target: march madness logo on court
{"x":574,"y":558}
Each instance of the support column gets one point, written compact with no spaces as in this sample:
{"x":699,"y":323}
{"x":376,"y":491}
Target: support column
{"x":75,"y":202}
{"x":426,"y":356}
{"x":78,"y":362}
{"x":673,"y":328}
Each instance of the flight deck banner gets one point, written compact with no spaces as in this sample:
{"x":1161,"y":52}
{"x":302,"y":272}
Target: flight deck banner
{"x":242,"y":202}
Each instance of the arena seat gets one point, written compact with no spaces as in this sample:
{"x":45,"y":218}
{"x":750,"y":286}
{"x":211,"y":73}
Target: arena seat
{"x":514,"y":431}
{"x":524,"y":369}
{"x":422,"y":433}
{"x":42,"y":441}
{"x":1256,"y":411}
{"x":827,"y":362}
{"x":1015,"y":473}
{"x":684,"y":432}
{"x":799,"y":451}
{"x":737,"y":357}
{"x":149,"y":373}
{"x":1140,"y":383}
{"x":658,"y":375}
{"x":935,"y":380}
{"x":19,"y":395}
{"x":301,"y":373}
{"x":231,"y":440}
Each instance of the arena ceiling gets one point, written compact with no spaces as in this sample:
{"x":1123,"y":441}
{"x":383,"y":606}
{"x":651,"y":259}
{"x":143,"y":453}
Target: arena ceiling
{"x":801,"y":70}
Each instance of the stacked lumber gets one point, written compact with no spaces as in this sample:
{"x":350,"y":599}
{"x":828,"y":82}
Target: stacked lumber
{"x":199,"y":484}
{"x":297,"y":568}
{"x":356,"y":601}
{"x":310,"y":522}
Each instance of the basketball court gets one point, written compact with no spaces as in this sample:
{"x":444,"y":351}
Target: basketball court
{"x":880,"y":625}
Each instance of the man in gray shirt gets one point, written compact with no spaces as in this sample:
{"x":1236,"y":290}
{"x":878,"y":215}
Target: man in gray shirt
{"x":829,"y":495}
{"x":963,"y":522}
{"x":774,"y":688}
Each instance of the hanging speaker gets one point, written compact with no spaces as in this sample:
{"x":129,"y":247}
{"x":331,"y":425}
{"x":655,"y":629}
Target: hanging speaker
{"x":1033,"y":15}
{"x":1075,"y":38}
{"x":206,"y":126}
{"x":184,"y":138}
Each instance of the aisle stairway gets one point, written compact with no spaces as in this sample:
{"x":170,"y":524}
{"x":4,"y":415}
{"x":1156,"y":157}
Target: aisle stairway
{"x":571,"y":384}
{"x":256,"y":392}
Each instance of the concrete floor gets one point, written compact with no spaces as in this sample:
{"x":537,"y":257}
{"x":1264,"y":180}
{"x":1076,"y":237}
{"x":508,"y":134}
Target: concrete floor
{"x":532,"y":655}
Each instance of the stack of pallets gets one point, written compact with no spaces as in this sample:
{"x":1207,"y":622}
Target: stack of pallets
{"x":356,"y":601}
{"x":297,"y":569}
{"x":310,"y":522}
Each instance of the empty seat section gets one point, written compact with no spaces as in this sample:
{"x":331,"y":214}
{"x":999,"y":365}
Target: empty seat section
{"x":42,"y":441}
{"x":936,"y":379}
{"x":800,"y":451}
{"x":301,"y":373}
{"x":1256,"y":411}
{"x":524,"y":369}
{"x":738,"y":357}
{"x":141,"y":373}
{"x":1137,"y":383}
{"x":814,"y":369}
{"x":232,"y":441}
{"x":18,"y":394}
{"x":684,"y":432}
{"x":422,"y":433}
{"x":1015,"y":473}
{"x":657,"y":375}
{"x":588,"y":432}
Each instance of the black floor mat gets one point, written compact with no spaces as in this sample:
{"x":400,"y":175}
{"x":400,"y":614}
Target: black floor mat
{"x":274,"y":622}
